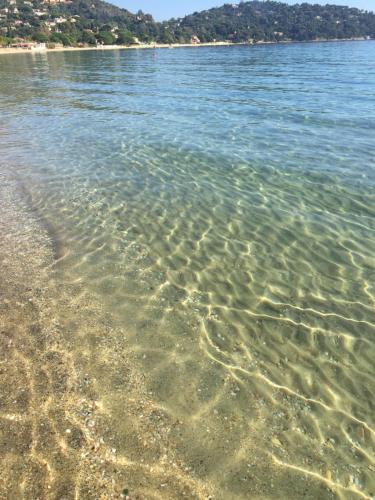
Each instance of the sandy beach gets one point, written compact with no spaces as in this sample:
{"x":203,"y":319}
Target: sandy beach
{"x":114,"y":47}
{"x":7,"y":51}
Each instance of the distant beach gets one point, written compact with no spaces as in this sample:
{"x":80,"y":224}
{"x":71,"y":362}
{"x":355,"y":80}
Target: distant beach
{"x":7,"y":51}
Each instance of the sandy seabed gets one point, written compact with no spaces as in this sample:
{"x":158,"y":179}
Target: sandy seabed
{"x":61,"y":436}
{"x":57,"y":440}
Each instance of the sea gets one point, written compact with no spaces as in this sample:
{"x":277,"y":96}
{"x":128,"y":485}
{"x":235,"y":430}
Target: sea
{"x":187,"y":273}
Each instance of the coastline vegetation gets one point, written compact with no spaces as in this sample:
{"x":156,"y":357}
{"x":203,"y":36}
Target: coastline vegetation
{"x":94,"y":22}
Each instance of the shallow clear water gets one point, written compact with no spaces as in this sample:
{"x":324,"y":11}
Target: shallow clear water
{"x":219,"y":204}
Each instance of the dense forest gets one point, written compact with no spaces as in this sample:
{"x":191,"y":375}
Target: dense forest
{"x":274,"y":21}
{"x":91,"y":22}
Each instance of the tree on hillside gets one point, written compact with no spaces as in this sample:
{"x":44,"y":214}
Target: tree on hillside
{"x":125,"y":37}
{"x":106,"y":37}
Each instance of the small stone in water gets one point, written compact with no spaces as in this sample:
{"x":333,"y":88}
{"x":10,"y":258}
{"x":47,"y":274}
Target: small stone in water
{"x":276,"y":442}
{"x":328,"y":475}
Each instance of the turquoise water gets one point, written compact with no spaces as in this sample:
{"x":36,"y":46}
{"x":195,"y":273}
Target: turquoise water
{"x":219,"y":205}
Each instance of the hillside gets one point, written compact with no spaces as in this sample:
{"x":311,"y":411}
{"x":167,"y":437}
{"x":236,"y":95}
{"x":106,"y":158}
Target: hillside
{"x":74,"y":22}
{"x":274,"y":21}
{"x":88,"y":22}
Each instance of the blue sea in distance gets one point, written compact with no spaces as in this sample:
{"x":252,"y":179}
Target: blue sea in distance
{"x":211,"y":219}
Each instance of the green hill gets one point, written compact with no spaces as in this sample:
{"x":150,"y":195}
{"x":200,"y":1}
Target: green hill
{"x":274,"y":21}
{"x":94,"y":21}
{"x":74,"y":22}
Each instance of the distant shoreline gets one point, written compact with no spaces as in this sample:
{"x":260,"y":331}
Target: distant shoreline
{"x":115,"y":47}
{"x":8,"y":51}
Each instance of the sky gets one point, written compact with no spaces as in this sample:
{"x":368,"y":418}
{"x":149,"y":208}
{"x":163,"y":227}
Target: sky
{"x":165,"y":9}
